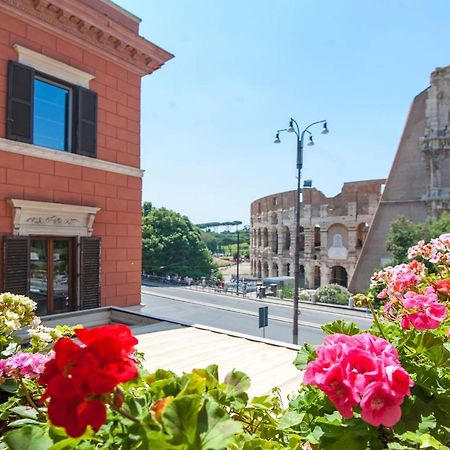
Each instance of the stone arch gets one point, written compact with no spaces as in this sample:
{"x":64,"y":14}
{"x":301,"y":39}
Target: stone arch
{"x":339,"y":276}
{"x":275,"y":270}
{"x":274,"y":240}
{"x":337,"y":240}
{"x":286,"y":238}
{"x":317,"y":241}
{"x":287,"y":270}
{"x":265,"y":269}
{"x":301,"y":240}
{"x":301,"y":277}
{"x":259,"y":273}
{"x":265,"y":237}
{"x":254,"y":234}
{"x":259,"y":237}
{"x":361,"y":234}
{"x":316,"y":277}
{"x":274,"y":218}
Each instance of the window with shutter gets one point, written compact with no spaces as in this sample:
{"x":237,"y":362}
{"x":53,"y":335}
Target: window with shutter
{"x":90,"y":248}
{"x":85,"y":123}
{"x":19,"y":120}
{"x":49,"y":112}
{"x":15,"y":264}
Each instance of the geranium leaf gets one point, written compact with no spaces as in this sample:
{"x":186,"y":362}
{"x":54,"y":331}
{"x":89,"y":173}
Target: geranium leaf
{"x":304,"y":356}
{"x":237,"y":382}
{"x":216,"y":427}
{"x":28,"y":437}
{"x":180,"y":419}
{"x":290,"y":419}
{"x":25,"y":411}
{"x":341,"y":326}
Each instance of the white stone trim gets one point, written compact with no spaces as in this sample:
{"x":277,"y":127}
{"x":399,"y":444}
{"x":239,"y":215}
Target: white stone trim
{"x":22,"y":148}
{"x":51,"y":219}
{"x":53,"y":67}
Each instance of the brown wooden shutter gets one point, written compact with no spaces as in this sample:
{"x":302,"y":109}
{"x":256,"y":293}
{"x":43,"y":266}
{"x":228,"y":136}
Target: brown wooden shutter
{"x":90,"y":249}
{"x":16,"y":264}
{"x":85,"y":122}
{"x":19,"y":117}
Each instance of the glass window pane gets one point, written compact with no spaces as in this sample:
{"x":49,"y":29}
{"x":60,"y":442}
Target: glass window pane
{"x":61,"y":300}
{"x":39,"y":275}
{"x":50,"y":115}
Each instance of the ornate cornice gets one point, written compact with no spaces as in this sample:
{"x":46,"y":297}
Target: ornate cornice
{"x":93,"y":30}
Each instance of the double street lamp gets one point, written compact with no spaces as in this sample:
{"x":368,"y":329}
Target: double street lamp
{"x":294,"y":128}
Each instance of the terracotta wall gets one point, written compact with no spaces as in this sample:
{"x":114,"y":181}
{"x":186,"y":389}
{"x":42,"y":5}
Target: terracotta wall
{"x":118,"y":196}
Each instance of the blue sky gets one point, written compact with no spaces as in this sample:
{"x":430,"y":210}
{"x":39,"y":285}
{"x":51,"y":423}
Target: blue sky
{"x":242,"y":68}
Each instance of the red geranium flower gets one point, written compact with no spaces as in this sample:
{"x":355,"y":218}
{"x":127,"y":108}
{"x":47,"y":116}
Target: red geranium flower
{"x":78,"y":376}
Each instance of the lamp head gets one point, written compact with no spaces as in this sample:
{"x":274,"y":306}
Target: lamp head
{"x":291,"y":127}
{"x":277,"y":139}
{"x":325,"y":129}
{"x":310,"y":142}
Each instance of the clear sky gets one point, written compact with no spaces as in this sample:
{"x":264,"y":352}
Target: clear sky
{"x":243,"y":67}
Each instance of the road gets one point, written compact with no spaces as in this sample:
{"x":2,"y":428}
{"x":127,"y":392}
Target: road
{"x":241,"y":315}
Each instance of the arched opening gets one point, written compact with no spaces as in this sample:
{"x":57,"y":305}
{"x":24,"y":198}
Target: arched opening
{"x":316,"y":277}
{"x":301,"y":278}
{"x":287,"y":270}
{"x":258,"y":274}
{"x":265,"y":237}
{"x":339,"y":276}
{"x":265,"y":270}
{"x":275,"y":270}
{"x":317,"y":236}
{"x":274,"y":218}
{"x":286,"y":238}
{"x":259,"y":237}
{"x":301,"y":240}
{"x":361,"y":234}
{"x":274,"y":243}
{"x":254,"y":238}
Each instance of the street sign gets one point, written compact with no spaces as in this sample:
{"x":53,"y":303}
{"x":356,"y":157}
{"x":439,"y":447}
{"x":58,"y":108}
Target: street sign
{"x":263,"y":316}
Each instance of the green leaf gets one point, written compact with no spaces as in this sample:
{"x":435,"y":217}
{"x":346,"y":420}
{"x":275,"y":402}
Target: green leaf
{"x":216,"y":427}
{"x":25,"y":411}
{"x":28,"y":437}
{"x":341,"y":326}
{"x":180,"y":419}
{"x":306,"y":354}
{"x":290,"y":419}
{"x":237,"y":382}
{"x":21,"y":422}
{"x":9,"y":386}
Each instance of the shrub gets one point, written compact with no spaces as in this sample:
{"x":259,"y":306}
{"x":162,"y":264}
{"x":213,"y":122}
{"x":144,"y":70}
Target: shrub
{"x":304,"y":296}
{"x":333,"y":293}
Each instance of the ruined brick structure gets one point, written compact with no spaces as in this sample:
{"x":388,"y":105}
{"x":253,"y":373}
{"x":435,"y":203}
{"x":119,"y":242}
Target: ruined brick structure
{"x":418,"y":186}
{"x":333,"y":230}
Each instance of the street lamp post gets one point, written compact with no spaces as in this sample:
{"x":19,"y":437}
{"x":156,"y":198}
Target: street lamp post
{"x":294,"y":128}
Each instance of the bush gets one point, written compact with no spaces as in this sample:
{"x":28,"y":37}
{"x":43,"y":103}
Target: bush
{"x":304,"y":296}
{"x":333,"y":293}
{"x":287,"y":292}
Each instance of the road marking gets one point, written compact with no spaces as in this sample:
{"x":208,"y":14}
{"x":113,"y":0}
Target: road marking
{"x":236,"y":310}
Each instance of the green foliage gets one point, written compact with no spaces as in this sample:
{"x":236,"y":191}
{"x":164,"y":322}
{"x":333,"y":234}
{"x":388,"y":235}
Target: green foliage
{"x":173,"y":245}
{"x":333,"y":293}
{"x":287,"y":291}
{"x":403,"y":233}
{"x":226,"y":241}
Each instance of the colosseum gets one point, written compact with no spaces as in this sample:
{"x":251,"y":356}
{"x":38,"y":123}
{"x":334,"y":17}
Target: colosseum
{"x":332,"y":232}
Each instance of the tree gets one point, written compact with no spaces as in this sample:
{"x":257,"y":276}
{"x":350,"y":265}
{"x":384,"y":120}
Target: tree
{"x":171,"y":244}
{"x":403,"y":234}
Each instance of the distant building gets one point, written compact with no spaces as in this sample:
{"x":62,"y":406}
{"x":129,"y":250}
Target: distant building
{"x":70,"y":175}
{"x":418,"y":186}
{"x":333,"y":231}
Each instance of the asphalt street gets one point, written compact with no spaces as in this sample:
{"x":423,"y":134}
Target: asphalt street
{"x":241,"y":314}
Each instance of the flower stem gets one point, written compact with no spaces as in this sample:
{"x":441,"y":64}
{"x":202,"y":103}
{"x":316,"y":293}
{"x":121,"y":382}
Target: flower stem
{"x":375,"y":318}
{"x":124,"y":413}
{"x":30,"y":400}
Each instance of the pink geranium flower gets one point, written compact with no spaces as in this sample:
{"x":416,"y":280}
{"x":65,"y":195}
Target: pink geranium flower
{"x":360,"y":370}
{"x":21,"y":364}
{"x":380,"y":405}
{"x":425,"y":312}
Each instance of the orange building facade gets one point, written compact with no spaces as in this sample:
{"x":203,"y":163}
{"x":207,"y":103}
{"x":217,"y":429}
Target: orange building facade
{"x":70,"y":176}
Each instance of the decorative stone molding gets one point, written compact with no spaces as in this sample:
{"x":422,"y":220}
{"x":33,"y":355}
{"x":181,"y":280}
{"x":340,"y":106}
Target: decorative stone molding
{"x":22,"y":148}
{"x":92,"y":29}
{"x":53,"y":67}
{"x":51,"y":219}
